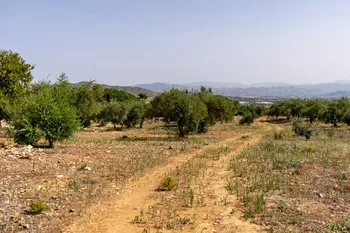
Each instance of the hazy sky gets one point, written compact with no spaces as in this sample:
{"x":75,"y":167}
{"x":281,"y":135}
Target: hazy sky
{"x":178,"y":41}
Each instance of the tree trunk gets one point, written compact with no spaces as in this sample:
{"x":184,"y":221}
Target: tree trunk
{"x":141,"y":124}
{"x":180,"y":124}
{"x":51,"y":143}
{"x":115,"y":127}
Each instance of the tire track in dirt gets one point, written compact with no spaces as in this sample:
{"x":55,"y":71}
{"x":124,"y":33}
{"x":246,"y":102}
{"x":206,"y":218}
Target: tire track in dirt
{"x":116,"y":215}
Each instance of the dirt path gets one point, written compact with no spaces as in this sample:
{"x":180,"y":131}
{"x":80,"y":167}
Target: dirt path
{"x":117,"y":215}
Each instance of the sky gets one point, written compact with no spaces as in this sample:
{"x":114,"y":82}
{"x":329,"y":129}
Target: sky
{"x":178,"y":41}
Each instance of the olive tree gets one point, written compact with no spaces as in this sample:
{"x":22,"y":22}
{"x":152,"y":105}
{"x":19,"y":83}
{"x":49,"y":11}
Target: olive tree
{"x":15,"y":76}
{"x":45,"y":115}
{"x":186,"y":109}
{"x":115,"y":112}
{"x":136,"y":113}
{"x":88,"y":99}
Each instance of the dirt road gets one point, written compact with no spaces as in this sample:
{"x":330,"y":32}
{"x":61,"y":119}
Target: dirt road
{"x":220,"y":213}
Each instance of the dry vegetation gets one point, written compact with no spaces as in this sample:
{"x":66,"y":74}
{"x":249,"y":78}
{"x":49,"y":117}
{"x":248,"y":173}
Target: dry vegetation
{"x":238,"y":175}
{"x":293,"y":185}
{"x":82,"y":171}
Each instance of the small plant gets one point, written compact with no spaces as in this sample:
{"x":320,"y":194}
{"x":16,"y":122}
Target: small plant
{"x":37,"y":207}
{"x":310,"y":148}
{"x":232,"y":211}
{"x":230,"y":186}
{"x":255,"y":205}
{"x":167,"y":184}
{"x":244,"y":137}
{"x":278,"y":135}
{"x":191,"y":197}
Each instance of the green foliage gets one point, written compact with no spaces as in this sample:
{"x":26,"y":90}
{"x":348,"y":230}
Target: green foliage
{"x":346,"y":117}
{"x":115,"y":112}
{"x":219,"y":108}
{"x":182,"y":107}
{"x":45,"y":114}
{"x":310,"y":148}
{"x":280,"y":108}
{"x":143,"y":96}
{"x":111,"y":94}
{"x":167,"y":184}
{"x":247,"y":119}
{"x":314,"y":109}
{"x":336,"y":110}
{"x":88,"y":99}
{"x":256,"y":111}
{"x":37,"y":207}
{"x":300,"y":128}
{"x":15,"y":76}
{"x":136,"y":113}
{"x":329,"y":111}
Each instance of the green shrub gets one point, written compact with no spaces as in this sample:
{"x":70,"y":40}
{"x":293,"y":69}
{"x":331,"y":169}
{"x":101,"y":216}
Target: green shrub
{"x":300,"y":128}
{"x":167,"y":184}
{"x":310,"y":148}
{"x":247,"y":119}
{"x":338,"y":227}
{"x":45,"y":114}
{"x":37,"y":207}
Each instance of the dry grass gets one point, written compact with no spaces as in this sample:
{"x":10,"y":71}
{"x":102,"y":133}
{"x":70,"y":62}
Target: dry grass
{"x":293,"y":185}
{"x":84,"y":170}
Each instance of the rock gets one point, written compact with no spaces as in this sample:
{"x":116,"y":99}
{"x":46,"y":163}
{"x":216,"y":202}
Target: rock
{"x":171,"y":147}
{"x":25,"y":226}
{"x":88,"y":168}
{"x":71,"y":211}
{"x":59,"y":176}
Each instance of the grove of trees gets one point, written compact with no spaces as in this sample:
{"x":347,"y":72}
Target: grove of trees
{"x":50,"y":112}
{"x":327,"y":111}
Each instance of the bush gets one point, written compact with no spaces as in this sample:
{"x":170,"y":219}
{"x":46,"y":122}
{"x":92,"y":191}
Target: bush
{"x":167,"y":184}
{"x":247,"y":119}
{"x":278,"y":135}
{"x":37,"y":207}
{"x":310,"y":148}
{"x":42,"y":115}
{"x":300,"y":128}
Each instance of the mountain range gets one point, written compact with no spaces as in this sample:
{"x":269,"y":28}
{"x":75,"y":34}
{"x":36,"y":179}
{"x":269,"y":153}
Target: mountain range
{"x":262,"y":90}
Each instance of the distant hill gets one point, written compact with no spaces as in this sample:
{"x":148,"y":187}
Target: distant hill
{"x":159,"y":87}
{"x":258,"y":90}
{"x":336,"y":95}
{"x":264,"y":90}
{"x":133,"y":90}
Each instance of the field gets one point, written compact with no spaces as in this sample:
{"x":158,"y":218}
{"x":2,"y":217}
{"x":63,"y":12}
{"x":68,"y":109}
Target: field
{"x":258,"y":178}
